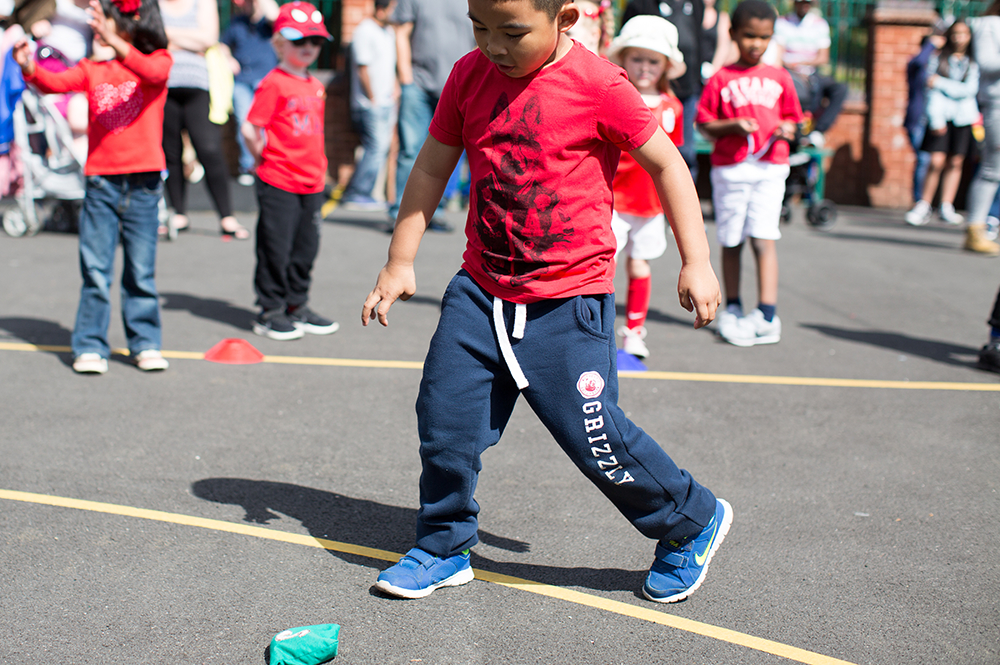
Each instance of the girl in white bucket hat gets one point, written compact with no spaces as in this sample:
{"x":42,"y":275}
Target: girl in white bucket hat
{"x":647,"y":49}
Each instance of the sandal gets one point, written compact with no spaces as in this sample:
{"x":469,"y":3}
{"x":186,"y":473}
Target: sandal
{"x":236,"y":231}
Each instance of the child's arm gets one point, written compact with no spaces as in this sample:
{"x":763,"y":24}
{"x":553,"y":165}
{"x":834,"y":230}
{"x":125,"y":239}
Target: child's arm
{"x":421,"y":196}
{"x":725,"y":126}
{"x":153,"y":69}
{"x":73,"y":79}
{"x":697,"y":286}
{"x":253,"y":136}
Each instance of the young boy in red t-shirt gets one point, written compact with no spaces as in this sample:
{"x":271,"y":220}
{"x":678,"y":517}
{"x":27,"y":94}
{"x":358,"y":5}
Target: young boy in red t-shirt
{"x":748,"y":108}
{"x":284,"y":131}
{"x":647,"y":49}
{"x":543,"y":122}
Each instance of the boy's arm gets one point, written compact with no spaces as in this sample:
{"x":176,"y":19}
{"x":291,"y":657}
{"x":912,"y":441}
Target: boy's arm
{"x":253,"y":136}
{"x":725,"y":126}
{"x":421,"y":196}
{"x":697,"y":285}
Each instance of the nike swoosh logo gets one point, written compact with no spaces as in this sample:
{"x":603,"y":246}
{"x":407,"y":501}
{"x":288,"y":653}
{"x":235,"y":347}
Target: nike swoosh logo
{"x":700,"y":558}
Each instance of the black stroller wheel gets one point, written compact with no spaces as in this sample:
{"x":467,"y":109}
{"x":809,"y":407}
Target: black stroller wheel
{"x":822,"y":215}
{"x":786,"y":213}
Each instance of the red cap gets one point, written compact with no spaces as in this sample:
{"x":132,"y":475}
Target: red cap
{"x":297,"y":20}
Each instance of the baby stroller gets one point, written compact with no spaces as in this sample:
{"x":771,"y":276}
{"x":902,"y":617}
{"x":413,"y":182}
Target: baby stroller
{"x":805,"y":181}
{"x":53,"y":181}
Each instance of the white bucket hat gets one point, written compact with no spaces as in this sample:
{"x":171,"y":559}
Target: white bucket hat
{"x":653,"y":33}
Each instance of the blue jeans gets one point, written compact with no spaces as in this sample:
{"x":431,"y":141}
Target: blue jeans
{"x":125,"y":207}
{"x":242,"y":101}
{"x":374,"y":126}
{"x":416,"y":109}
{"x":916,"y":135}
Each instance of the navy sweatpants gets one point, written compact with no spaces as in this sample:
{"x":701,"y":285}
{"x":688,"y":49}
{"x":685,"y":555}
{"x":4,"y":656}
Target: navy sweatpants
{"x":568,"y":356}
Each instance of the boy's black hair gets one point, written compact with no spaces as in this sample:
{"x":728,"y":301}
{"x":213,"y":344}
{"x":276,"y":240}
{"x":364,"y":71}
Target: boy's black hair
{"x":145,"y":27}
{"x":752,"y":9}
{"x":550,"y":7}
{"x":382,"y":4}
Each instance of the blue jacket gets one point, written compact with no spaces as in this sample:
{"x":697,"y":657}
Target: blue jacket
{"x":916,"y":80}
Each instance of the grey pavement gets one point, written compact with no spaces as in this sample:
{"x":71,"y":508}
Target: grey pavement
{"x":865,"y":514}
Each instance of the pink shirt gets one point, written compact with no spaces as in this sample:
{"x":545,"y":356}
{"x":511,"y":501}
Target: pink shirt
{"x":542,"y":152}
{"x":764,"y":93}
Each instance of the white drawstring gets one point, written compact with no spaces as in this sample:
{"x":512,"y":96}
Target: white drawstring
{"x":520,"y":316}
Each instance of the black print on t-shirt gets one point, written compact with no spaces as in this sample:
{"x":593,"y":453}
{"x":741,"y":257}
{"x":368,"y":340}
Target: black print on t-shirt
{"x":520,"y":223}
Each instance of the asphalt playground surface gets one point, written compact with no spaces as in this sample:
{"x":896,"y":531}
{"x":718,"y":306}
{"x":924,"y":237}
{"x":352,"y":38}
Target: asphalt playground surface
{"x":189,"y":516}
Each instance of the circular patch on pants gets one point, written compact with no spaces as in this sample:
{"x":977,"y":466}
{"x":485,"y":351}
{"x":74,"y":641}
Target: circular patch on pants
{"x":590,"y":384}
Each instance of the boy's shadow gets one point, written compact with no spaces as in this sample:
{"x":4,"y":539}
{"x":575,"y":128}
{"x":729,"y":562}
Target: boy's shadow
{"x":370,"y":524}
{"x":36,"y":331}
{"x":209,"y":308}
{"x":943,"y":352}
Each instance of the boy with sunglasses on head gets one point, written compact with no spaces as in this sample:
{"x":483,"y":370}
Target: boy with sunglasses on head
{"x":284,"y":131}
{"x":543,"y":122}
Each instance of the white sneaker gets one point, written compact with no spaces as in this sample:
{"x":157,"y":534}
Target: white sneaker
{"x":151,"y":360}
{"x":90,"y":363}
{"x":762,"y":331}
{"x":727,"y":324}
{"x":948,"y":214}
{"x":816,"y":139}
{"x":992,"y":228}
{"x":919,"y":214}
{"x":245,"y":180}
{"x":632,"y":343}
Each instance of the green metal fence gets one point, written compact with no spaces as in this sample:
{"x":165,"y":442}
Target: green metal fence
{"x":849,"y":31}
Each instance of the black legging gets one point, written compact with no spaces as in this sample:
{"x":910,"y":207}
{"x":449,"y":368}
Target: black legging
{"x":187,"y":108}
{"x":995,"y":316}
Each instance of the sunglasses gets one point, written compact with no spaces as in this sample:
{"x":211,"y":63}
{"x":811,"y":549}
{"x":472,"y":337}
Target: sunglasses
{"x":315,"y":41}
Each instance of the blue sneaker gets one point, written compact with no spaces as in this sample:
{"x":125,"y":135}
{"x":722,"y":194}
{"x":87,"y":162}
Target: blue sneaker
{"x":679,"y":570}
{"x":418,"y":573}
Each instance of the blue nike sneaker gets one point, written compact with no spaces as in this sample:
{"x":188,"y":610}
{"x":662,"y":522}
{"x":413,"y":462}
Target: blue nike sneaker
{"x":679,"y":570}
{"x":418,"y":573}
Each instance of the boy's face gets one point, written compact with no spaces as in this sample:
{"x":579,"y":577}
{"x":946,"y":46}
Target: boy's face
{"x":752,"y":39}
{"x":302,"y":52}
{"x":515,"y":36}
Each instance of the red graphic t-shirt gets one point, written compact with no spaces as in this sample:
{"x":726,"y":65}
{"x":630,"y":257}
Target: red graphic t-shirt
{"x":542,"y":153}
{"x":762,"y":92}
{"x":126,"y":98}
{"x":635,"y":193}
{"x":290,"y":109}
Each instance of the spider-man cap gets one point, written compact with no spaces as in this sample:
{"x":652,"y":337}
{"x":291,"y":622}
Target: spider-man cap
{"x":297,"y":20}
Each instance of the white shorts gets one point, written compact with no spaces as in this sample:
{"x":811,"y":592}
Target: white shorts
{"x":747,"y":199}
{"x":640,"y":237}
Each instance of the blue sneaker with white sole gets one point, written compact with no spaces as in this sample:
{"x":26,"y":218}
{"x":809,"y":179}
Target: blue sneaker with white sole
{"x":418,"y":574}
{"x":679,"y":570}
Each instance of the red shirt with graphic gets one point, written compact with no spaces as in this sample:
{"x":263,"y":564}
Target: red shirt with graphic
{"x":764,"y":93}
{"x":635,"y":193}
{"x":126,"y":98}
{"x":290,"y":110}
{"x":542,"y":153}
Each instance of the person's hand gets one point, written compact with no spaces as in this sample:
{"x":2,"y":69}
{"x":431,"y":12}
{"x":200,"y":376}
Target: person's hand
{"x":22,"y":56}
{"x":746,"y":126}
{"x":786,"y":130}
{"x":394,"y":283}
{"x":938,"y":40}
{"x":931,"y":80}
{"x":98,"y":22}
{"x":940,"y":132}
{"x":698,"y":291}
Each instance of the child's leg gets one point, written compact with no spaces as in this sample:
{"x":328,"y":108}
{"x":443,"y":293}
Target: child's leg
{"x":766,"y":253}
{"x":305,"y":247}
{"x":639,"y":288}
{"x":569,"y":358}
{"x":98,"y":242}
{"x":466,"y":398}
{"x":276,"y":224}
{"x":731,"y":266}
{"x":140,"y":302}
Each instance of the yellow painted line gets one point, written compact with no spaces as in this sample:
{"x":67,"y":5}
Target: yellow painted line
{"x":650,"y":375}
{"x":560,"y":593}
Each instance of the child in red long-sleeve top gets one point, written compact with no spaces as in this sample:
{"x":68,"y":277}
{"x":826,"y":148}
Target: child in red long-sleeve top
{"x":124,"y":176}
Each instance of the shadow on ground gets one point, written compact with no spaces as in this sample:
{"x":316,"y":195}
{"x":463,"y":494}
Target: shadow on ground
{"x":209,"y":308}
{"x":944,"y":352}
{"x":36,"y":331}
{"x":371,"y":524}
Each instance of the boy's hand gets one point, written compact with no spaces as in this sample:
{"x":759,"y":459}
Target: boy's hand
{"x":22,"y":56}
{"x":786,"y":130}
{"x":745,"y":126}
{"x":394,"y":283}
{"x":698,"y":290}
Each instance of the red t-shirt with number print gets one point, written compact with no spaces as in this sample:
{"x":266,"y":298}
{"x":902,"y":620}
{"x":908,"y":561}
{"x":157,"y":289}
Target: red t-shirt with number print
{"x":542,"y":153}
{"x":290,"y":110}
